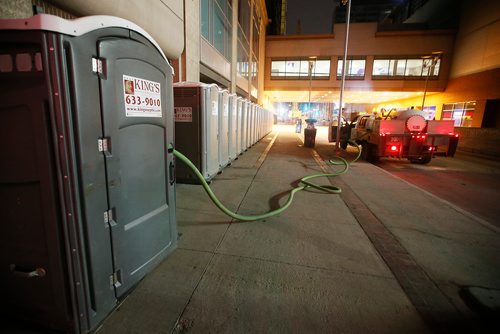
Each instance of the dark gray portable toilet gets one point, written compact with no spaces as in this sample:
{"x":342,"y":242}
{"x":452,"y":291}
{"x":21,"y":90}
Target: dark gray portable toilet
{"x":87,"y":197}
{"x":197,"y":129}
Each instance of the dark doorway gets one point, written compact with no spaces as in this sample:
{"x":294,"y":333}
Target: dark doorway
{"x":491,"y":118}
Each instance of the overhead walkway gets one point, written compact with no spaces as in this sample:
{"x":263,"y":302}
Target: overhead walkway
{"x":381,"y":257}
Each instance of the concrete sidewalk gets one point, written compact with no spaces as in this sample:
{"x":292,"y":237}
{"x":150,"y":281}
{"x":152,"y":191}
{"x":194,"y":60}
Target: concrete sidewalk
{"x":383,"y":257}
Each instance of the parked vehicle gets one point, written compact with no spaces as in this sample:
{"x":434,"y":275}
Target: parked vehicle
{"x":404,"y":134}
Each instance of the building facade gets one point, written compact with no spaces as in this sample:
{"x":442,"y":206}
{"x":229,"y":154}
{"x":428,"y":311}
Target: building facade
{"x":213,"y":41}
{"x":451,"y":73}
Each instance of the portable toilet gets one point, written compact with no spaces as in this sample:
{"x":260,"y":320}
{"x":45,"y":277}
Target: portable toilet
{"x":223,"y":128}
{"x":87,"y":197}
{"x":251,"y":125}
{"x":259,"y":123}
{"x":196,"y":108}
{"x":233,"y":128}
{"x":244,"y":125}
{"x":239,"y":113}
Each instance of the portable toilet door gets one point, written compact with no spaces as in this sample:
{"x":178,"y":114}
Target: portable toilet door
{"x":233,"y":128}
{"x":244,"y":125}
{"x":239,"y":104}
{"x":189,"y":127}
{"x":252,"y":124}
{"x":90,"y":202}
{"x":209,"y":141}
{"x":259,"y":126}
{"x":249,"y":125}
{"x":223,"y":128}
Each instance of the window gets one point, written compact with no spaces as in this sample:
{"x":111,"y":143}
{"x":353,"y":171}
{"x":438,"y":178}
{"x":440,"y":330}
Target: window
{"x":278,"y":68}
{"x":407,"y":67}
{"x":243,"y":37}
{"x":462,"y":113}
{"x":414,"y":67}
{"x":205,"y":14}
{"x":243,"y":59}
{"x":298,"y":69}
{"x":381,"y":67}
{"x":322,"y":68}
{"x":216,"y":16}
{"x":354,"y":68}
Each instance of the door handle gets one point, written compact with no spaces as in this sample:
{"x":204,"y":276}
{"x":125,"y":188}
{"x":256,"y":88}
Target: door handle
{"x":38,"y":272}
{"x":171,"y":172}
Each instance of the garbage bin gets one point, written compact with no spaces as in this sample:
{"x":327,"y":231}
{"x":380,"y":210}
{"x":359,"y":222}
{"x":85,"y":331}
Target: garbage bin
{"x":310,"y":133}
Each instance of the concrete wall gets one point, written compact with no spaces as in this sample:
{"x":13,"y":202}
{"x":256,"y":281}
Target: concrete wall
{"x":15,"y":9}
{"x":162,"y":19}
{"x":485,"y":142}
{"x":478,"y":39}
{"x":364,"y":40}
{"x":478,"y":87}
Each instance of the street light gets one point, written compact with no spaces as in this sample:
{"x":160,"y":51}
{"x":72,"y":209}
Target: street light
{"x":430,"y":62}
{"x":344,"y":61}
{"x":312,"y":61}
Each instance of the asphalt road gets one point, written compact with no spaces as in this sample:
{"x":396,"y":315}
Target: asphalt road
{"x":469,"y":182}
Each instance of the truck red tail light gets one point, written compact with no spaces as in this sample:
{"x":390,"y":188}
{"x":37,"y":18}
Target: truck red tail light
{"x":394,"y":148}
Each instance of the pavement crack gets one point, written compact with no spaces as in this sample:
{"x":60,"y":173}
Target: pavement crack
{"x":308,"y":266}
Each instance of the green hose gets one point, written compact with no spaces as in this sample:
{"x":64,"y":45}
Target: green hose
{"x":338,"y":161}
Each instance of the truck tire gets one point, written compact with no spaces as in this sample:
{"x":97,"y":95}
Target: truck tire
{"x":369,"y":152}
{"x":422,"y":160}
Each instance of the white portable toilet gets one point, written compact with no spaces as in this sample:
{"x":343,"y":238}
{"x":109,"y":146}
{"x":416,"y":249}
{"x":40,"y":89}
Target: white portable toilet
{"x":233,"y":127}
{"x":244,"y":124}
{"x":252,"y":123}
{"x":223,"y":128}
{"x":259,"y":125}
{"x":239,"y":113}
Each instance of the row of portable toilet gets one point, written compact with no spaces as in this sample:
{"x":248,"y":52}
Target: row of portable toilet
{"x":213,"y":127}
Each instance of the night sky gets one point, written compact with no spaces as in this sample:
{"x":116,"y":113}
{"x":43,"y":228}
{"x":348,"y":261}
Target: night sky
{"x":315,"y":16}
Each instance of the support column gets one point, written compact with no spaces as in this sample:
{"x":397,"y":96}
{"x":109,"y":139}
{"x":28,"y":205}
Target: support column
{"x":234,"y":46}
{"x":250,"y":52}
{"x":192,"y":38}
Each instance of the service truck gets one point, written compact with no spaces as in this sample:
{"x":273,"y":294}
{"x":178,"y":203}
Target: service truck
{"x":404,"y":134}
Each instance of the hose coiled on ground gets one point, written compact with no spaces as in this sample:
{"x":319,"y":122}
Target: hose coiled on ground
{"x":304,"y":183}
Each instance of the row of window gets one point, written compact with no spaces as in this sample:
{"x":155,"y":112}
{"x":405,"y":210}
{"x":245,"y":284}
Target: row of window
{"x":216,"y":28}
{"x":216,"y":16}
{"x":461,"y":112}
{"x":383,"y":68}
